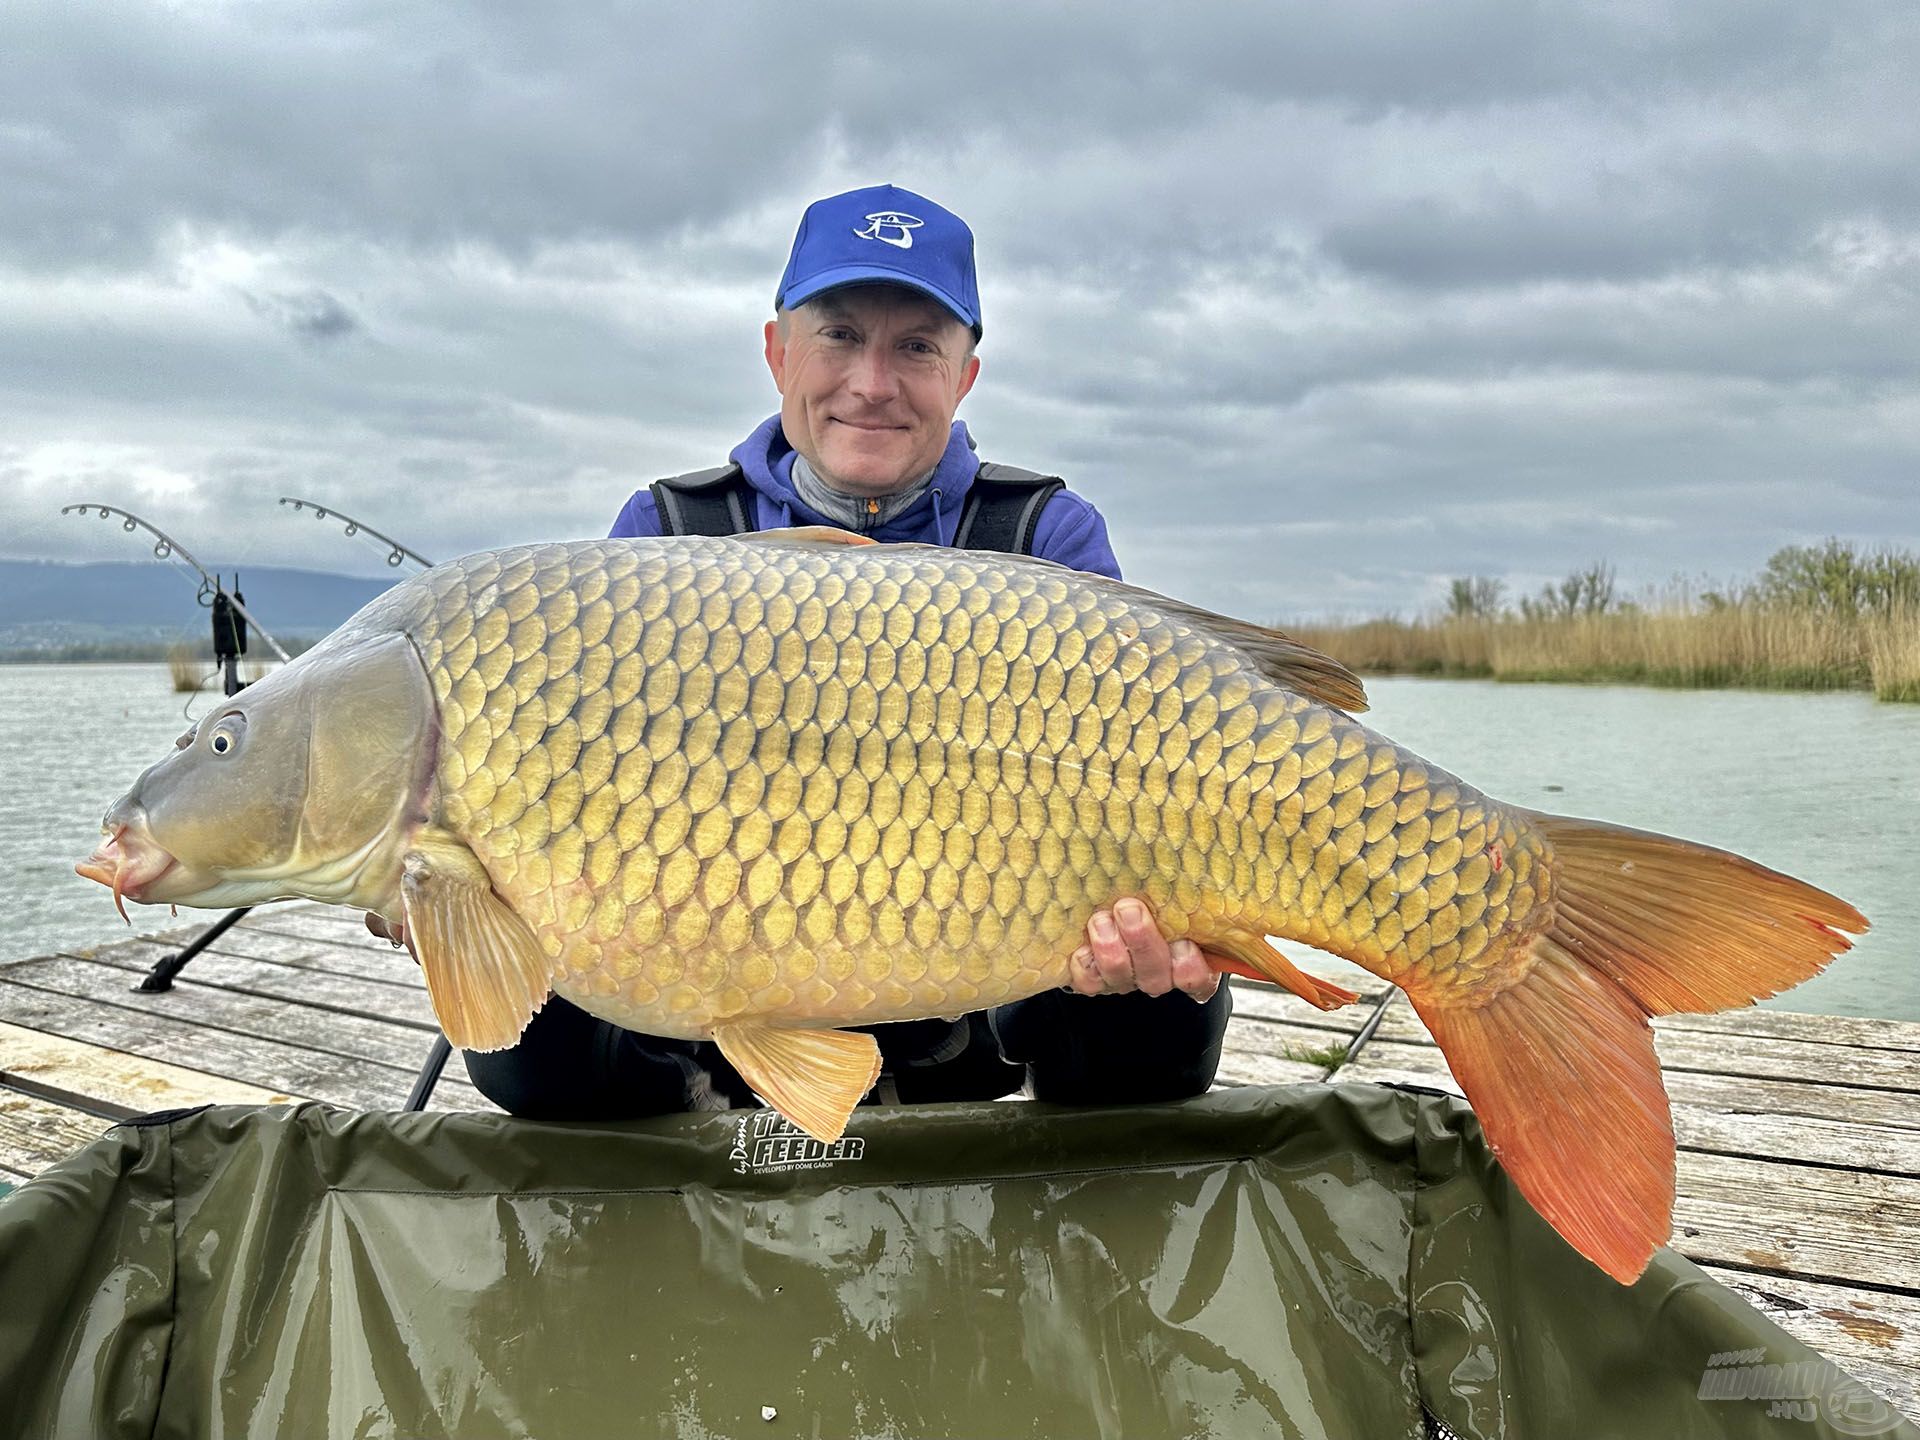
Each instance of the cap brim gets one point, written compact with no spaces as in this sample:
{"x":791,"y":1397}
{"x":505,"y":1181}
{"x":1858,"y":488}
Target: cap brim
{"x":838,"y":278}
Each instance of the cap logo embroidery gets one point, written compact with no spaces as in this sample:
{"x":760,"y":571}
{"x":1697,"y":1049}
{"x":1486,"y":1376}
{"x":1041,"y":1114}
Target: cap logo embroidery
{"x":890,"y":227}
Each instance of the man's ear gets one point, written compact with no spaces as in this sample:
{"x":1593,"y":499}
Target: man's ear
{"x":777,"y":356}
{"x":968,"y":374}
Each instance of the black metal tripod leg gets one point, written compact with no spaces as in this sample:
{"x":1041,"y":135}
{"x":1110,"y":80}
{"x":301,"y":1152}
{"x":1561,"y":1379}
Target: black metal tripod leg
{"x":160,"y":977}
{"x":429,"y":1074}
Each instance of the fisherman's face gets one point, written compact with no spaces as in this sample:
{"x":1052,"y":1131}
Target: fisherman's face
{"x":869,"y":378}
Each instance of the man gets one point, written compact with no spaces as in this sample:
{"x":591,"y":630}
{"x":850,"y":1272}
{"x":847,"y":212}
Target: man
{"x":872,"y":350}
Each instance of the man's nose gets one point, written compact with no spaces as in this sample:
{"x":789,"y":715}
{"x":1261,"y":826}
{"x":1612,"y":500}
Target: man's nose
{"x":873,"y":375}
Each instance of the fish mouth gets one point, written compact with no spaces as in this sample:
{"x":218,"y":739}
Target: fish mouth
{"x":128,"y":864}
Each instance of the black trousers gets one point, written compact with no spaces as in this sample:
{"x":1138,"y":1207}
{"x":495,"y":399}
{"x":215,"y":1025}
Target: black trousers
{"x":1073,"y":1049}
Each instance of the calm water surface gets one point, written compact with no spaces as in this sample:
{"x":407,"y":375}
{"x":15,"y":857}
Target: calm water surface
{"x":1822,"y":786}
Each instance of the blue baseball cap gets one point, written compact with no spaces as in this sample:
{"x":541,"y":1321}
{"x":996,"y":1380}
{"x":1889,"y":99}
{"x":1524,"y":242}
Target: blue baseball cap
{"x":888,"y":236}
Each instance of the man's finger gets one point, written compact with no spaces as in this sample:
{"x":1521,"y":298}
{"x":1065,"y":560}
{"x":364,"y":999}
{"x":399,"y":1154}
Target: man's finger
{"x":1151,"y":961}
{"x":1193,"y":974}
{"x":1083,"y":974}
{"x":1111,"y":960}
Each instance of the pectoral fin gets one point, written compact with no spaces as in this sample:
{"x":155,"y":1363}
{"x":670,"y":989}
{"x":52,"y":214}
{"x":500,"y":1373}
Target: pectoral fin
{"x":813,"y":1077}
{"x":486,"y":972}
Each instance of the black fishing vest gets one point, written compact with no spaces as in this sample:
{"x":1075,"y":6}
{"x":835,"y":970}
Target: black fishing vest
{"x":1002,"y":509}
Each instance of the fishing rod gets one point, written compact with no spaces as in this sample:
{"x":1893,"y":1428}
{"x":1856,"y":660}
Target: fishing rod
{"x":165,"y":547}
{"x":396,"y":552}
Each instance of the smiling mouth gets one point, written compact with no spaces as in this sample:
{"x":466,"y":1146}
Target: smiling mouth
{"x":864,"y":425}
{"x":127,"y":866}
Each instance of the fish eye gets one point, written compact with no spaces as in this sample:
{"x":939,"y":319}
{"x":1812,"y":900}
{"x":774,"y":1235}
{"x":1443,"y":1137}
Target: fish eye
{"x":225,"y":738}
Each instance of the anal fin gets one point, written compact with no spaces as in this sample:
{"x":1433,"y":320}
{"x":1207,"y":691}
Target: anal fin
{"x":813,"y":1077}
{"x":1253,"y":957}
{"x":486,"y":973}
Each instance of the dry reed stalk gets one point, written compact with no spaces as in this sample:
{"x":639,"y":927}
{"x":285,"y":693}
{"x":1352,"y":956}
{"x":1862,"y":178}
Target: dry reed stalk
{"x":1893,"y":653}
{"x":187,"y":672}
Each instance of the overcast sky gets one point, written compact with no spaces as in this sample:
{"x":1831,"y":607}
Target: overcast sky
{"x":1321,"y":304}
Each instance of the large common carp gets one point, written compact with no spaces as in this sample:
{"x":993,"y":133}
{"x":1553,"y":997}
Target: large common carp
{"x":757,"y":789}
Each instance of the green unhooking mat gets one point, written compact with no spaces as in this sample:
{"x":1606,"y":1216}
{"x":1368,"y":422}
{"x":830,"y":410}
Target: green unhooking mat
{"x":1306,"y":1262}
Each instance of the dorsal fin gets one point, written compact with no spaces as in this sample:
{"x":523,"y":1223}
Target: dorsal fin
{"x":1279,"y":657}
{"x":807,"y":535}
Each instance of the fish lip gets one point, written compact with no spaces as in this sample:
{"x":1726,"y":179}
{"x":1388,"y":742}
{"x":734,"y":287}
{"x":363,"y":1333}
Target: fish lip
{"x":127,"y":864}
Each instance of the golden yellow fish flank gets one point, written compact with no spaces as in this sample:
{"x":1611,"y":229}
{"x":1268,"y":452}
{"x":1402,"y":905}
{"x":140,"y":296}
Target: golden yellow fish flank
{"x":759,"y":789}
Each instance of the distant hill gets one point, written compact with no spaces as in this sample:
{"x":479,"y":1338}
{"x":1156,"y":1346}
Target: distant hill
{"x":51,"y":610}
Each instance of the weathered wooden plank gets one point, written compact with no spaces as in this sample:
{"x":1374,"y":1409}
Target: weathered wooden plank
{"x":260,"y":1061}
{"x":1724,"y":1053}
{"x":1868,"y":1033}
{"x":36,"y":1132}
{"x":1813,"y":1139}
{"x":57,"y":1064}
{"x":1270,"y":1052}
{"x":213,"y":1008}
{"x":1873,"y":1336}
{"x":1821,"y":1224}
{"x":312,"y":922}
{"x":367,"y":959}
{"x":359,"y":955}
{"x":1774,"y":1108}
{"x":351,"y":995}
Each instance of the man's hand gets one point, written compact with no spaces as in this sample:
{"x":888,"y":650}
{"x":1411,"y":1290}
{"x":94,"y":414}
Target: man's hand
{"x":1126,"y":951}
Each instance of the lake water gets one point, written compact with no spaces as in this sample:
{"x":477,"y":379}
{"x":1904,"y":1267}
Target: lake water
{"x":1826,"y":787}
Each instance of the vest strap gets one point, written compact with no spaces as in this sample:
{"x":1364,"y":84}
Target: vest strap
{"x":705,"y":502}
{"x":1002,"y":509}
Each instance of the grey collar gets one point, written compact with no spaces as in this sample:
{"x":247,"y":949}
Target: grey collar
{"x":857,"y":513}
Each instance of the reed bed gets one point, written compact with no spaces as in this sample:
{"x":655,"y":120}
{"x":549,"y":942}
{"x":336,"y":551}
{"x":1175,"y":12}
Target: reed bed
{"x":1685,"y":644}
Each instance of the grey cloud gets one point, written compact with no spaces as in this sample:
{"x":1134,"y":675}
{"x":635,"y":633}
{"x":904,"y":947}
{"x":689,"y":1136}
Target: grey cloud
{"x":308,"y":314}
{"x":1321,"y":304}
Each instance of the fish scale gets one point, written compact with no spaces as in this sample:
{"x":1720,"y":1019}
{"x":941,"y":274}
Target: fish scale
{"x":847,"y":785}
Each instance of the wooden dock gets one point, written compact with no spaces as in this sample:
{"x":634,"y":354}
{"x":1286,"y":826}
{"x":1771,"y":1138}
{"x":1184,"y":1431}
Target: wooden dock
{"x":1799,"y":1174}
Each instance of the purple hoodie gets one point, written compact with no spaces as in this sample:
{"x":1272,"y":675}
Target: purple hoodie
{"x":1070,"y":531}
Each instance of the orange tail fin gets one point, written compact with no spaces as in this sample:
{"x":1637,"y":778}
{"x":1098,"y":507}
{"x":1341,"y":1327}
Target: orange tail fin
{"x":1560,"y":1065}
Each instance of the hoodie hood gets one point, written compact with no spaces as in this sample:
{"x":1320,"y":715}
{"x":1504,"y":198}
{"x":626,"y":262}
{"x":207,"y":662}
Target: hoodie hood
{"x":766,"y":459}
